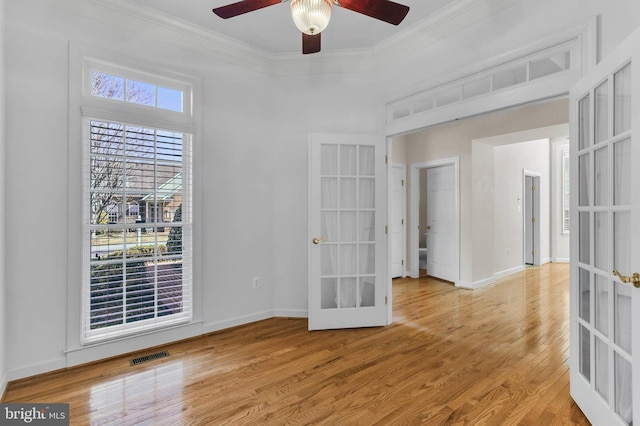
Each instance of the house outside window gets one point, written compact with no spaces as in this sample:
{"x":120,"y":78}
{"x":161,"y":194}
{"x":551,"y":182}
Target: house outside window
{"x":137,"y":213}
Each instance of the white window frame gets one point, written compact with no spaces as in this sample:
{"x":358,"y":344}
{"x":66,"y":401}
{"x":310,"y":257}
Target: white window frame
{"x":171,"y":82}
{"x":105,"y":109}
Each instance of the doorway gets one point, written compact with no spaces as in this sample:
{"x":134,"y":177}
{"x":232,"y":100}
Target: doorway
{"x":438,"y":239}
{"x":531,"y":218}
{"x":397,"y":222}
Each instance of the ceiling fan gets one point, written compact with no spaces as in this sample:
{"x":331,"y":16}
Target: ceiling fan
{"x":312,"y":16}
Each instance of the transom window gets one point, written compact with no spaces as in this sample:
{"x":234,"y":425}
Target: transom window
{"x":137,"y":92}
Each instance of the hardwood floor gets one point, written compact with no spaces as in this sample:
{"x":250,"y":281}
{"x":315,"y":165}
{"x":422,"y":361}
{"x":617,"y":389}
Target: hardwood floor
{"x":492,"y":356}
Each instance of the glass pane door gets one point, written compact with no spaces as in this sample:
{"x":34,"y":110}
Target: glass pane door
{"x":602,"y":314}
{"x":348,"y":251}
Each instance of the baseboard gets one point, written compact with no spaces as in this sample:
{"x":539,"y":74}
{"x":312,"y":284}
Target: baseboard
{"x":131,"y":344}
{"x":37,"y":369}
{"x":561,"y":260}
{"x":291,"y":313}
{"x":508,"y":272}
{"x":412,"y":273}
{"x":4,"y":381}
{"x":474,"y":285}
{"x":234,"y":322}
{"x":547,"y":260}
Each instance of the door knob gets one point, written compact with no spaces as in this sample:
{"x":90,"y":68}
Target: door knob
{"x":317,"y":240}
{"x":633,"y":279}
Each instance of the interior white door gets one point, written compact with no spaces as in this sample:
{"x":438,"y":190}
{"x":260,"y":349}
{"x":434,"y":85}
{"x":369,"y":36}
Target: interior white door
{"x":348,"y":276}
{"x":529,"y":244}
{"x":441,"y":226}
{"x":605,"y":220}
{"x":397,"y":228}
{"x":531,"y":219}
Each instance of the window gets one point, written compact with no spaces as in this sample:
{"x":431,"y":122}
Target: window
{"x":136,"y":92}
{"x":565,"y":191}
{"x":137,"y":211}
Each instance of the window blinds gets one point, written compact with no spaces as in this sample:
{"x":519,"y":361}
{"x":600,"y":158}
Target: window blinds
{"x":138,"y":231}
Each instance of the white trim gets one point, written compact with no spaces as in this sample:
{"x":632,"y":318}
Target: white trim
{"x":4,"y":381}
{"x":237,"y":321}
{"x":561,"y":260}
{"x":290,"y":313}
{"x":414,"y":209}
{"x":127,"y":17}
{"x":477,"y":284}
{"x":583,"y":45}
{"x":128,"y":344}
{"x":80,"y":55}
{"x":35,"y":369}
{"x":403,"y":168}
{"x":508,"y":272}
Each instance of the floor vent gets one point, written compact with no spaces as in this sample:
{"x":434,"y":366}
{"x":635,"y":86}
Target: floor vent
{"x":147,"y":358}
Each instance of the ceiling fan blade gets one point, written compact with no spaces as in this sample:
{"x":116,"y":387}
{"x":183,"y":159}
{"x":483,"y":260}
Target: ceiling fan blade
{"x":241,"y":7}
{"x":310,"y":43}
{"x":384,"y":10}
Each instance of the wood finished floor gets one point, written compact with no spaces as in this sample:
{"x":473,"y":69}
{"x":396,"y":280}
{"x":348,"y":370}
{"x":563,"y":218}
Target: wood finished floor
{"x":492,"y":356}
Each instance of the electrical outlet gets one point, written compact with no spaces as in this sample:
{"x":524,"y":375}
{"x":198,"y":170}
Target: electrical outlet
{"x":256,"y":282}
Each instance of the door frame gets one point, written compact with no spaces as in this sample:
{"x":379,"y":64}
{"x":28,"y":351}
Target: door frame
{"x":536,"y":212}
{"x":414,"y":212}
{"x":403,"y":213}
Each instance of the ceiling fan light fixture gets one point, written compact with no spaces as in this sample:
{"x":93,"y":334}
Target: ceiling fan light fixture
{"x":311,"y":16}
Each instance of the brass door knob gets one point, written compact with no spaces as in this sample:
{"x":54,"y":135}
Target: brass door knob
{"x":317,"y":240}
{"x":633,"y":279}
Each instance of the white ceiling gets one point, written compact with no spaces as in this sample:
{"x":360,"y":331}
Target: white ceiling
{"x":272,"y":28}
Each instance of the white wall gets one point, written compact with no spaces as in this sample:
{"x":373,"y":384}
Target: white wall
{"x":510,"y":162}
{"x":559,"y":241}
{"x":252,"y":177}
{"x":3,"y":303}
{"x":481,"y":215}
{"x":476,"y":176}
{"x":332,"y":103}
{"x":234,"y":188}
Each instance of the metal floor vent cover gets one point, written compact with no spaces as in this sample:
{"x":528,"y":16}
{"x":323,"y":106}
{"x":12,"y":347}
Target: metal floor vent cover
{"x":147,"y":358}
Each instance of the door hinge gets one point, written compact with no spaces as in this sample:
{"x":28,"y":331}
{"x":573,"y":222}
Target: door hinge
{"x":386,"y":229}
{"x":533,"y":252}
{"x":533,"y":219}
{"x":385,"y":300}
{"x":402,"y":262}
{"x":402,"y":182}
{"x":533,"y":188}
{"x":402,"y":222}
{"x":386,"y":159}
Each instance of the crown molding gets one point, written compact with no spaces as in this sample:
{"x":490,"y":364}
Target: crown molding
{"x":209,"y":43}
{"x":405,"y":44}
{"x":451,"y":19}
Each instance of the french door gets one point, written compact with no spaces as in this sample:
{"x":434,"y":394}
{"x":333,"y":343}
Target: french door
{"x":605,"y":311}
{"x":348,"y":279}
